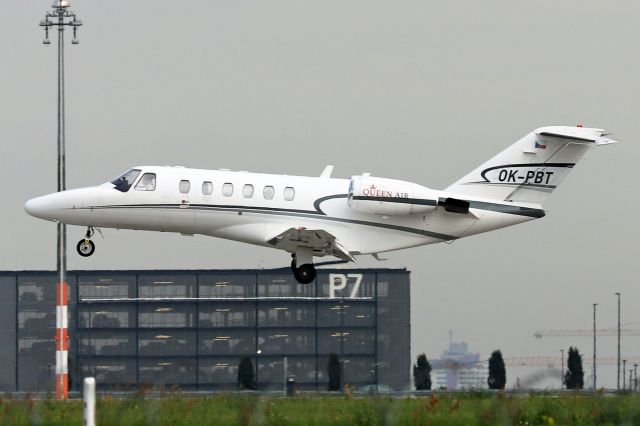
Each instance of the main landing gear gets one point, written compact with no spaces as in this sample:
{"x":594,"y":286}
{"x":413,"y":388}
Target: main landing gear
{"x":304,"y":273}
{"x":85,"y":246}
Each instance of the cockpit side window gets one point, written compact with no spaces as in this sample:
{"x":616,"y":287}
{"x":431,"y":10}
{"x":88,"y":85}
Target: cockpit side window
{"x":147,"y":182}
{"x":123,"y":182}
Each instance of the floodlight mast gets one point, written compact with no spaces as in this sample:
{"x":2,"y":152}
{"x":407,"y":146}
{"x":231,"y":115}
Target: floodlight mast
{"x":61,"y":16}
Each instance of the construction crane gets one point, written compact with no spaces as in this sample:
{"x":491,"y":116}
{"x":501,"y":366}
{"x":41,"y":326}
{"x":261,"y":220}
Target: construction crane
{"x":556,"y":362}
{"x":527,"y":361}
{"x":584,"y":332}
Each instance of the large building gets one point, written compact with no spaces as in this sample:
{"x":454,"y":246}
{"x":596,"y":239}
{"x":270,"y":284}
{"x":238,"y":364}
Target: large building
{"x":458,"y":368}
{"x":191,"y":328}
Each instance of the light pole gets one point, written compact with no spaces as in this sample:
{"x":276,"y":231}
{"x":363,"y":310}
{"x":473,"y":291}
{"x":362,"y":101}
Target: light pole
{"x":562,"y":369}
{"x":594,"y":345}
{"x":60,"y":16}
{"x":635,"y":377}
{"x":624,"y":372}
{"x":618,"y":382}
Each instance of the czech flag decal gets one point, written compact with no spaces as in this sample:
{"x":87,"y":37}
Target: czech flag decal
{"x":541,"y":145}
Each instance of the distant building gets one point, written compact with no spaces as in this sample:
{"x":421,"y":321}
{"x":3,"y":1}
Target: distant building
{"x":459,"y":369}
{"x":190,"y":328}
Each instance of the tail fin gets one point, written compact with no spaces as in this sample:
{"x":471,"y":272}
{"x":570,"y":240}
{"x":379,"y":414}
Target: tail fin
{"x":530,"y":169}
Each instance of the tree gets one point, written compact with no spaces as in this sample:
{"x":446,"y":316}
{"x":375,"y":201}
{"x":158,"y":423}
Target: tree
{"x":422,"y":373}
{"x":334,"y":372}
{"x":574,"y":377}
{"x":497,"y":373}
{"x":246,"y":375}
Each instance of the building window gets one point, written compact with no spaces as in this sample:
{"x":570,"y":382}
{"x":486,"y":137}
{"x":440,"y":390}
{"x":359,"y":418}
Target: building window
{"x":185,"y":186}
{"x":268,"y":192}
{"x":147,"y":182}
{"x":247,"y":191}
{"x":289,"y":193}
{"x":227,"y":189}
{"x":207,"y":188}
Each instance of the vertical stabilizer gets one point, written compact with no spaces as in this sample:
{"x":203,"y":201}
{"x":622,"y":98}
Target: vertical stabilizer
{"x":530,"y":169}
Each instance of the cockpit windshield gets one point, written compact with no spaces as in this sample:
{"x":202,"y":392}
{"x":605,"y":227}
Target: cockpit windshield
{"x":123,"y":182}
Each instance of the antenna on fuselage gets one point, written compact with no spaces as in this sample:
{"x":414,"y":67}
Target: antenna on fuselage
{"x":326,"y":173}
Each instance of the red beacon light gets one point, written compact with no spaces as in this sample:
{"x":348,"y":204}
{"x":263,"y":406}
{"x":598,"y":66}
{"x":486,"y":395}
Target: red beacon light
{"x":579,"y":125}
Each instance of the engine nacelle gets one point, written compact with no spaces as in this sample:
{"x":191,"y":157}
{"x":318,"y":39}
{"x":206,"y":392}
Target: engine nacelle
{"x":390,"y":197}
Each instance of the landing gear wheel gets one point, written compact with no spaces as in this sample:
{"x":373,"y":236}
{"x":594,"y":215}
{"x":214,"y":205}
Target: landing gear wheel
{"x":305,"y":274}
{"x":85,"y":247}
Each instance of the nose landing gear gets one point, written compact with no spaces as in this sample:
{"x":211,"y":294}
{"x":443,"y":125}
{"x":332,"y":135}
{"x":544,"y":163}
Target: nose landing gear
{"x":85,"y":246}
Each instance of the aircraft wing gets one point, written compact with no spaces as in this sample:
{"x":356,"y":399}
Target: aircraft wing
{"x":322,"y":242}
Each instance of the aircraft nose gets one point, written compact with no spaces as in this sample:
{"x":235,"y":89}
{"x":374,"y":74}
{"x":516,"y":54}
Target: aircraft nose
{"x":39,"y":207}
{"x":66,"y":206}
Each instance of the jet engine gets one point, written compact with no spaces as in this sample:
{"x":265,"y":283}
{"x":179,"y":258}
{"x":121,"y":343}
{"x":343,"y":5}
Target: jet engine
{"x":390,"y":197}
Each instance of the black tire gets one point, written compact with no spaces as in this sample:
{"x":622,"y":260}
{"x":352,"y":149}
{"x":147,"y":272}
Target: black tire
{"x":85,"y":248}
{"x":305,"y":274}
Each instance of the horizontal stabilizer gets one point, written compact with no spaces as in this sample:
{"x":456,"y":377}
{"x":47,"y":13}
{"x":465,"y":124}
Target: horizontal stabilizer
{"x":577,"y":134}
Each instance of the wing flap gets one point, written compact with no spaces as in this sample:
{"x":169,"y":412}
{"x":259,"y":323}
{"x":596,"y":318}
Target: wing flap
{"x":322,"y":242}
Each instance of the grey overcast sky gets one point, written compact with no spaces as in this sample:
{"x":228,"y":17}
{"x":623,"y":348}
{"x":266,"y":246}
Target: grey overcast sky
{"x":415,"y":90}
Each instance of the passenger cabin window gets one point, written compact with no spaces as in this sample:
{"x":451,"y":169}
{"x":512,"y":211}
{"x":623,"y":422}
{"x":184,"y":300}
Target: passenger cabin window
{"x":268,"y":192}
{"x":289,"y":193}
{"x":123,"y":182}
{"x":227,"y":189}
{"x":207,"y":188}
{"x":147,"y":182}
{"x":247,"y":191}
{"x":185,"y":186}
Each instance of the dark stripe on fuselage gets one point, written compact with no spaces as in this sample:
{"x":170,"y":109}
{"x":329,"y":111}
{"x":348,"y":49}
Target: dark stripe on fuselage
{"x":282,"y":212}
{"x":319,"y":214}
{"x":543,"y":165}
{"x":532,"y":186}
{"x":316,"y":203}
{"x":480,"y":205}
{"x":208,"y":206}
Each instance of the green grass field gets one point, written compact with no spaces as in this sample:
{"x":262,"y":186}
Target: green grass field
{"x":462,"y":409}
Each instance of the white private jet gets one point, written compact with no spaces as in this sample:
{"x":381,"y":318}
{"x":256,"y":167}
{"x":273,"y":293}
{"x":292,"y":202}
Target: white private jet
{"x":324,"y":216}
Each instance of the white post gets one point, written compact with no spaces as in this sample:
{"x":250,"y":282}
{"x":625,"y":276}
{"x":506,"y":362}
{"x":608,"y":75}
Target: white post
{"x":89,"y":396}
{"x":285,"y":376}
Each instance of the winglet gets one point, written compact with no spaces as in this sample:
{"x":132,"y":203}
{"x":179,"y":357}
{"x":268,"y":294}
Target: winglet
{"x":326,"y":173}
